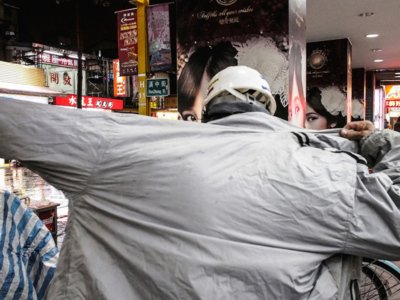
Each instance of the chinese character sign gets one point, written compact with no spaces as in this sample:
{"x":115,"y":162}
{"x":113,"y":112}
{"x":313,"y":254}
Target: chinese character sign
{"x":128,"y":42}
{"x":119,"y":81}
{"x":65,"y":80}
{"x":158,"y":37}
{"x":90,"y":102}
{"x":392,"y":103}
{"x":157,"y":87}
{"x":51,"y":59}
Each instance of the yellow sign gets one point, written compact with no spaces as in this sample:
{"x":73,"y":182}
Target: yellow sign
{"x":171,"y":102}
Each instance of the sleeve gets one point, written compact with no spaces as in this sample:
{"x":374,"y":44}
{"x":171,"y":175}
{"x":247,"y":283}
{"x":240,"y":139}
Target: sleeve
{"x":63,"y":146}
{"x":374,"y":229}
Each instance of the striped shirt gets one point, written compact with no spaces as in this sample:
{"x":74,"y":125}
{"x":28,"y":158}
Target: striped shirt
{"x":28,"y":254}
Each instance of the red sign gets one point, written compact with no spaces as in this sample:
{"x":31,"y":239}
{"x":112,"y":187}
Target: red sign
{"x":119,"y":81}
{"x":128,"y":41}
{"x":392,"y":103}
{"x":90,"y":102}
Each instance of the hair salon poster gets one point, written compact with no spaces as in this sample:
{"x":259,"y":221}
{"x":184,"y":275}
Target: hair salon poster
{"x":329,"y":81}
{"x":127,"y":42}
{"x":212,"y":35}
{"x":158,"y":37}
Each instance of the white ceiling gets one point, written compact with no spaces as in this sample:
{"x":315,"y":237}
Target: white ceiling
{"x":337,"y":19}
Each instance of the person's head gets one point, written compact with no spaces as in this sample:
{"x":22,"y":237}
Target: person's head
{"x":237,"y":89}
{"x":297,"y":102}
{"x":203,"y":64}
{"x":398,"y":120}
{"x":317,"y":115}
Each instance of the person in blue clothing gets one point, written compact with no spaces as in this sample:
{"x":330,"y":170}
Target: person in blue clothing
{"x":28,"y":253}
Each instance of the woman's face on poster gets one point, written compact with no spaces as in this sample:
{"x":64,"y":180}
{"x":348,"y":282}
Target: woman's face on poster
{"x":314,"y":120}
{"x":194,"y":114}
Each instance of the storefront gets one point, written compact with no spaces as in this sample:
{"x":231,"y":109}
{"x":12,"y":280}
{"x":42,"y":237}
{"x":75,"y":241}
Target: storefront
{"x":392,"y":103}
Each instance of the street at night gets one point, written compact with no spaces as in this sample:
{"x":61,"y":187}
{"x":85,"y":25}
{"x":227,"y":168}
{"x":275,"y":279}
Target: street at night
{"x":25,"y":183}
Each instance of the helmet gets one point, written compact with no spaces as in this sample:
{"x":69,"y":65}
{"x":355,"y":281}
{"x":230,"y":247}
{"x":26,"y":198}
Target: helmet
{"x":239,"y":84}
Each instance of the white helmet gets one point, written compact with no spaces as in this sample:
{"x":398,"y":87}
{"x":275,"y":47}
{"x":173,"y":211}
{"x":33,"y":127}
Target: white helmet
{"x":245,"y":84}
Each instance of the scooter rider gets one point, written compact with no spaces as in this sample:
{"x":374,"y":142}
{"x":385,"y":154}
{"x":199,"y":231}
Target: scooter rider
{"x":246,"y":206}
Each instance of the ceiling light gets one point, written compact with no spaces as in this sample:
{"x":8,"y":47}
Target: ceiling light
{"x":378,"y":60}
{"x":397,"y":73}
{"x":52,"y":52}
{"x":376,"y":50}
{"x":366,"y":14}
{"x":372,"y":35}
{"x":76,"y":56}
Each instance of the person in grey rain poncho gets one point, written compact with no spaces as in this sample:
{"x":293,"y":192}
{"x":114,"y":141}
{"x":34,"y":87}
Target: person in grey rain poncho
{"x":246,"y":206}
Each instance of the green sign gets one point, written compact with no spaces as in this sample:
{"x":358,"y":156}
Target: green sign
{"x":157,"y":87}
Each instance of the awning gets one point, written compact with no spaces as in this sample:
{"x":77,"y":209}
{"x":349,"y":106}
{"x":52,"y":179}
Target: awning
{"x":31,"y":90}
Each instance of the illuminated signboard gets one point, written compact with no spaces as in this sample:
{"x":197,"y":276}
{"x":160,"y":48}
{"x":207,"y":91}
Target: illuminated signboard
{"x":90,"y":102}
{"x":392,"y":103}
{"x":120,"y":88}
{"x":392,"y":92}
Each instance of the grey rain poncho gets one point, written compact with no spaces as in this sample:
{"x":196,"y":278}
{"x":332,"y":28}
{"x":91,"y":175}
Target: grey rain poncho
{"x":244,"y":208}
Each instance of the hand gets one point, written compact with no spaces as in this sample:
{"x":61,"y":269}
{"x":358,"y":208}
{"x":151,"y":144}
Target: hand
{"x":357,"y":130}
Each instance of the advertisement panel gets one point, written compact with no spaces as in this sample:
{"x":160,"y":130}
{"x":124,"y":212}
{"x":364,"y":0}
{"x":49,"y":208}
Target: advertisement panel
{"x":213,"y":35}
{"x":128,"y":41}
{"x":329,"y":83}
{"x":90,"y":102}
{"x":158,"y":38}
{"x":120,"y":86}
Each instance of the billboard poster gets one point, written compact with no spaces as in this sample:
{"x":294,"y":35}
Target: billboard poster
{"x":128,"y":42}
{"x":158,"y":38}
{"x":328,"y":84}
{"x":213,"y":35}
{"x":120,"y":86}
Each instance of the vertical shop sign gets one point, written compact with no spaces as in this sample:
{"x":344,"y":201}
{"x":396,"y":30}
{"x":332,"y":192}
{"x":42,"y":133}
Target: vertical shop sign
{"x":158,"y":37}
{"x":226,"y":33}
{"x":128,"y":42}
{"x":120,"y":89}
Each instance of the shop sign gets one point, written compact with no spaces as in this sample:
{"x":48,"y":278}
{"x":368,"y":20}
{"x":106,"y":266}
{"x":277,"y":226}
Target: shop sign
{"x":392,"y":103}
{"x":170,"y":102}
{"x":120,"y":89}
{"x":57,"y":60}
{"x":90,"y":102}
{"x":392,"y":92}
{"x":157,"y":87}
